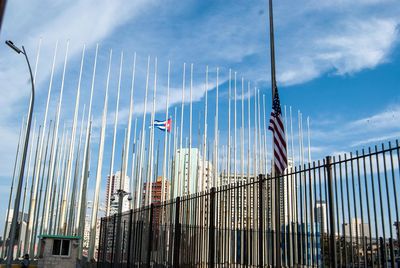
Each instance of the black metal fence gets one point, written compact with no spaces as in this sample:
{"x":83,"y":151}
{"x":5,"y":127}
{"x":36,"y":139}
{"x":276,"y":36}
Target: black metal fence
{"x":338,"y":212}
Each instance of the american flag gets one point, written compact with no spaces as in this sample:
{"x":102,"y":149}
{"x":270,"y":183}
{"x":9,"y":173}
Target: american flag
{"x":278,"y":130}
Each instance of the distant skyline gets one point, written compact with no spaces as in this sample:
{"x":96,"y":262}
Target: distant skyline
{"x":337,"y":62}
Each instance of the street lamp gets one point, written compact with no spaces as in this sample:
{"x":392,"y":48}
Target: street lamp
{"x":120,"y":193}
{"x":22,"y":168}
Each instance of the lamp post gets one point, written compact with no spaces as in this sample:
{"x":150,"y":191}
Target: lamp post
{"x":121,"y":194}
{"x":22,"y":169}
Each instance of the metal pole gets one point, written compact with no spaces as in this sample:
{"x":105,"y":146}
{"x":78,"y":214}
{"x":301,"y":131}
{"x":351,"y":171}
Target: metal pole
{"x":328,"y":167}
{"x":150,"y":242}
{"x":177,"y":233}
{"x":260,"y":220}
{"x":211,"y":234}
{"x":22,"y":169}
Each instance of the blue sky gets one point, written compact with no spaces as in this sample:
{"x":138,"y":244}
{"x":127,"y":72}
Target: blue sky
{"x":337,"y":61}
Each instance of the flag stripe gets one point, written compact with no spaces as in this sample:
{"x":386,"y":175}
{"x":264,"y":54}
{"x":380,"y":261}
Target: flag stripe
{"x":278,"y":131}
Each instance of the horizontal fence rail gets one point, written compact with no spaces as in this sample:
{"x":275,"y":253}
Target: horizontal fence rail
{"x":339,"y":212}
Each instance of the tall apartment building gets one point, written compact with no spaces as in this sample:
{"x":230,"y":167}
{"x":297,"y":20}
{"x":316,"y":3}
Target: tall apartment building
{"x":320,"y":216}
{"x":112,"y":199}
{"x":192,"y":173}
{"x":156,"y":191}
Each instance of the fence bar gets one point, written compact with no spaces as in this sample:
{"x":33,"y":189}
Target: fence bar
{"x":211,"y":233}
{"x":150,"y":241}
{"x":261,"y":179}
{"x":177,"y":233}
{"x":332,"y":222}
{"x":128,"y":261}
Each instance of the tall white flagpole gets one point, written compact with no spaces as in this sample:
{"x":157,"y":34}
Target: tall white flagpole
{"x":190,"y":128}
{"x":242,"y":137}
{"x":229,"y":129}
{"x":165,"y":140}
{"x":52,"y":165}
{"x":234,"y":134}
{"x":259,"y":132}
{"x":85,"y":176}
{"x":12,"y":185}
{"x":265,"y":138}
{"x":180,"y":177}
{"x":309,"y":139}
{"x":291,"y":135}
{"x":27,"y":182}
{"x":60,"y":173}
{"x":205,"y":131}
{"x":71,"y":151}
{"x":79,"y":224}
{"x":125,"y":160}
{"x":27,"y":234}
{"x":216,"y":132}
{"x":133,"y":169}
{"x":72,"y":213}
{"x":172,"y":171}
{"x":111,"y":172}
{"x":142,"y":142}
{"x":151,"y":149}
{"x":249,"y":131}
{"x":255,"y":135}
{"x":95,"y":208}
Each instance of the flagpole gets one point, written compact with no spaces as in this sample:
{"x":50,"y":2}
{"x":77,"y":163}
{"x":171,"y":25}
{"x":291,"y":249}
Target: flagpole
{"x":265,"y":138}
{"x":73,"y":204}
{"x":27,"y":180}
{"x":52,"y":157}
{"x":92,"y":238}
{"x":172,"y":177}
{"x":79,"y":225}
{"x":111,"y":172}
{"x":165,"y":141}
{"x":205,"y":130}
{"x":133,"y":169}
{"x":57,"y":191}
{"x":60,"y":176}
{"x":229,"y":129}
{"x":242,"y":137}
{"x":234,"y":134}
{"x":27,"y":234}
{"x":190,"y":127}
{"x":38,"y":204}
{"x":12,"y":185}
{"x":151,"y":149}
{"x":139,"y":179}
{"x":125,"y":160}
{"x":216,"y":132}
{"x":179,"y":193}
{"x":291,"y":135}
{"x":309,"y":139}
{"x":71,"y":152}
{"x":85,"y":175}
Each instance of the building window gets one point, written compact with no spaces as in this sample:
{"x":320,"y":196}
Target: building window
{"x":61,"y":247}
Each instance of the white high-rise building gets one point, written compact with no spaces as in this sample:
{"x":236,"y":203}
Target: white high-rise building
{"x":192,"y":173}
{"x":355,"y":229}
{"x":320,"y":216}
{"x":114,"y":182}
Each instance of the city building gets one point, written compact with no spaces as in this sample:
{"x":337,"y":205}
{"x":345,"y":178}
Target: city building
{"x":320,"y":216}
{"x":355,"y":229}
{"x":156,"y":191}
{"x":192,"y":173}
{"x":112,"y":199}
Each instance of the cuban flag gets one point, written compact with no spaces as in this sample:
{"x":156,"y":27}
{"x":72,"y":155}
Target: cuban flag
{"x":163,"y":125}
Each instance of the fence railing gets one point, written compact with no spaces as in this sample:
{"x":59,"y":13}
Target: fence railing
{"x":338,"y":212}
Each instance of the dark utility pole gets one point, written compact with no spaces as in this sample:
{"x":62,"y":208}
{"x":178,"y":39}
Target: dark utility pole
{"x":13,"y":228}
